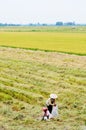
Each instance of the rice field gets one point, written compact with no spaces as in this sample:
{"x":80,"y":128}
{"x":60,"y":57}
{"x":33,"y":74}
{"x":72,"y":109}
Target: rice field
{"x":34,"y":62}
{"x":66,"y":41}
{"x":28,"y":77}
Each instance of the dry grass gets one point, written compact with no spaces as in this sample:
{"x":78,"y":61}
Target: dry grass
{"x":26,"y":80}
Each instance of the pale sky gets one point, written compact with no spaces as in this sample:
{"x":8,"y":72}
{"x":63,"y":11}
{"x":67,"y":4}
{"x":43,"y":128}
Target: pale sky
{"x":42,"y":11}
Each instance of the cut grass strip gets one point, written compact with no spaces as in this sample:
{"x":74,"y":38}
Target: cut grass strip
{"x":21,"y":94}
{"x":5,"y":97}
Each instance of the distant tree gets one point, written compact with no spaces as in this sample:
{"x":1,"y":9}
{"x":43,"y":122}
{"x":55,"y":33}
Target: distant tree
{"x":70,"y":23}
{"x":30,"y":24}
{"x":5,"y":24}
{"x":59,"y":23}
{"x":44,"y":24}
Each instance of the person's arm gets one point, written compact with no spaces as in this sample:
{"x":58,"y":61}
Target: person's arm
{"x":48,"y":102}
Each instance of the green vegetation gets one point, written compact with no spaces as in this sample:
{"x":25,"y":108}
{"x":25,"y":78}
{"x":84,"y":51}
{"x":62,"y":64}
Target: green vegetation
{"x":68,"y":29}
{"x":28,"y":77}
{"x":61,"y":39}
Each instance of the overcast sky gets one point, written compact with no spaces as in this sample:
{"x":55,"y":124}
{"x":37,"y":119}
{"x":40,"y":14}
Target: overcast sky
{"x":43,"y":11}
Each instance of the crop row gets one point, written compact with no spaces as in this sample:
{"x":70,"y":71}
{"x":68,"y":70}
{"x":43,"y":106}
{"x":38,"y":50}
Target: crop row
{"x":21,"y":94}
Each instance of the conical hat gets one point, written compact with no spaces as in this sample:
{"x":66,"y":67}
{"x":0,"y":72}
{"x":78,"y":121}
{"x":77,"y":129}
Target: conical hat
{"x":54,"y":96}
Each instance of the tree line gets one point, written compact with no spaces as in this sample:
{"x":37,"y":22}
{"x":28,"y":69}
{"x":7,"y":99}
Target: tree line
{"x":58,"y":23}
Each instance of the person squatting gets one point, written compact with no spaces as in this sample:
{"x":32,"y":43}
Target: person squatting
{"x":51,"y":109}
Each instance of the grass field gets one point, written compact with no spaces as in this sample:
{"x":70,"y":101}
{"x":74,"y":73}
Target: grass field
{"x":28,"y":77}
{"x":50,"y":39}
{"x":26,"y":80}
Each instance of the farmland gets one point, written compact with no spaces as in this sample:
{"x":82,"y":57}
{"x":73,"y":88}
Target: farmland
{"x":28,"y":77}
{"x":50,"y":39}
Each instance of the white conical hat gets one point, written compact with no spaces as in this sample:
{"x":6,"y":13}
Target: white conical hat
{"x":54,"y":96}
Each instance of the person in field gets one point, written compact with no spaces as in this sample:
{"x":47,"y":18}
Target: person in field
{"x":51,"y":109}
{"x":52,"y":106}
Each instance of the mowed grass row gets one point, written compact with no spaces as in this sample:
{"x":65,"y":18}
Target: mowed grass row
{"x":49,"y":41}
{"x":26,"y":80}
